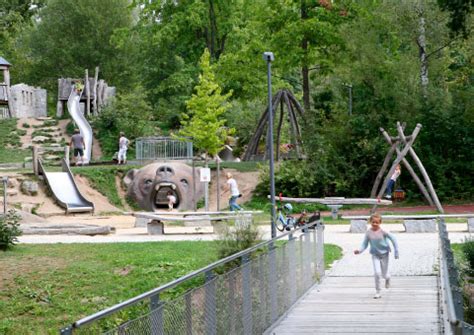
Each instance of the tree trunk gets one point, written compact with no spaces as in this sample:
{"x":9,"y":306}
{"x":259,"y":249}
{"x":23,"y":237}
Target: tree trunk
{"x":421,"y":41}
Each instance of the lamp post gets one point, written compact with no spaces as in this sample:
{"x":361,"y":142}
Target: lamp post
{"x":268,"y":57}
{"x":5,"y":182}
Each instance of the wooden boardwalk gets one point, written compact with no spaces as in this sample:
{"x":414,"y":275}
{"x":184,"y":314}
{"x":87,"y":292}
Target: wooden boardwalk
{"x":345,"y":305}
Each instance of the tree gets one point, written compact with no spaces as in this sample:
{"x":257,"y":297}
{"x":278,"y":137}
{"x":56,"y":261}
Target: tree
{"x":459,"y":15}
{"x":72,"y":36}
{"x":205,"y":124}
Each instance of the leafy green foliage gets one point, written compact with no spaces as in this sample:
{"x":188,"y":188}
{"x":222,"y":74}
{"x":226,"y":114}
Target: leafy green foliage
{"x":86,"y":28}
{"x":460,"y":15}
{"x":129,"y":113}
{"x":468,"y":250}
{"x":205,"y":126}
{"x":238,"y":238}
{"x":9,"y":230}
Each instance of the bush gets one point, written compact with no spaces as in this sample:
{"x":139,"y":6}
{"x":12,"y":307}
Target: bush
{"x":233,"y":240}
{"x":129,"y":113}
{"x":9,"y":230}
{"x":468,"y":251}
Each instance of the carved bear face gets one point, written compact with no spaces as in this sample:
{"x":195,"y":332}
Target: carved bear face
{"x":150,"y":185}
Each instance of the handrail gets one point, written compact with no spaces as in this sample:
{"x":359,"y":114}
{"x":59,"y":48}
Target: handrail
{"x":455,"y":315}
{"x":101,"y":314}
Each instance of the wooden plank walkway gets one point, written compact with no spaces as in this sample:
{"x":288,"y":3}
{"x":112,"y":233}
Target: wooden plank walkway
{"x":345,"y":305}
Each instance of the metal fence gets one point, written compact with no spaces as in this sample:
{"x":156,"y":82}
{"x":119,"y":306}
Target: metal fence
{"x":243,"y":299}
{"x":451,"y":292}
{"x":162,"y":148}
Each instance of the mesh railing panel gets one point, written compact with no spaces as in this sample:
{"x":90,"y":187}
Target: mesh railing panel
{"x":156,"y":148}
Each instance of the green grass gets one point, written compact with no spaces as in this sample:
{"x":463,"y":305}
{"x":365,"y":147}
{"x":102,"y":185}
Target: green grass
{"x":45,"y":287}
{"x":9,"y":136}
{"x":102,"y":179}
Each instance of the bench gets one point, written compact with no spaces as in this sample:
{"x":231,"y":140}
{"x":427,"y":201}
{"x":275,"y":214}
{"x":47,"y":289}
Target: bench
{"x":202,"y":222}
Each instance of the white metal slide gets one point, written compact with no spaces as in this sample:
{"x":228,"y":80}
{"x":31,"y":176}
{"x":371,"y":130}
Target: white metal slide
{"x":65,"y":190}
{"x":81,"y":122}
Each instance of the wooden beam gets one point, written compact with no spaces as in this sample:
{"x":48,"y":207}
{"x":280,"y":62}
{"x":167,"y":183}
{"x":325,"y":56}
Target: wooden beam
{"x":410,"y":216}
{"x":397,"y":161}
{"x":386,"y":161}
{"x":96,"y":78}
{"x":412,"y":172}
{"x":338,"y":201}
{"x":88,"y":94}
{"x":422,"y":169}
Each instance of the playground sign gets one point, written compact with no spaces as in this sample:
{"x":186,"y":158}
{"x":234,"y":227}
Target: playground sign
{"x":205,"y":176}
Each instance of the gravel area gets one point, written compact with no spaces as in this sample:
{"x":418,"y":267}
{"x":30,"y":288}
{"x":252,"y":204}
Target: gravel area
{"x":418,"y":252}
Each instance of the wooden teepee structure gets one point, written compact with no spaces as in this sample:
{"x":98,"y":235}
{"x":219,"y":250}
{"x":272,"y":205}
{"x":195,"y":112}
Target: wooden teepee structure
{"x":402,"y":145}
{"x":281,"y":99}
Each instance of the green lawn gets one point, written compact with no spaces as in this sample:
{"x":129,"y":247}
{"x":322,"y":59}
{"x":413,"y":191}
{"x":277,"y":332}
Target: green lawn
{"x":45,"y":287}
{"x":10,"y":136}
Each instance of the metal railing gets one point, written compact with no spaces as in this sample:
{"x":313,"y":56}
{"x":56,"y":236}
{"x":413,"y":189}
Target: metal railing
{"x":452,"y":310}
{"x":162,"y":148}
{"x":246,"y":299}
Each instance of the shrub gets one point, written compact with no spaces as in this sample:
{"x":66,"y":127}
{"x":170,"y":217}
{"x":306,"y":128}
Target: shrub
{"x":233,"y":240}
{"x":25,"y":125}
{"x":468,"y":251}
{"x":9,"y":230}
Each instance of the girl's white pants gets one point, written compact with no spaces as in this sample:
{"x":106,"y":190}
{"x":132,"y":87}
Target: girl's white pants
{"x":380,"y":264}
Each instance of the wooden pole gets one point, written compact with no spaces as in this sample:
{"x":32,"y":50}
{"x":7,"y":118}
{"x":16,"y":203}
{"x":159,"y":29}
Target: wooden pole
{"x":396,"y":162}
{"x":280,"y":123}
{"x":386,"y":161}
{"x":35,"y":159}
{"x":88,"y":94}
{"x":412,"y":172}
{"x":96,"y":77}
{"x":422,"y":169}
{"x":66,"y":155}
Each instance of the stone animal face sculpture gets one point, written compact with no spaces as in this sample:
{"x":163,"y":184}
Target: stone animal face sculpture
{"x":149,"y":186}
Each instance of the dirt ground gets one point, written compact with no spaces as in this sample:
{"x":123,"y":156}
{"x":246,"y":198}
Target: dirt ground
{"x":246,"y":181}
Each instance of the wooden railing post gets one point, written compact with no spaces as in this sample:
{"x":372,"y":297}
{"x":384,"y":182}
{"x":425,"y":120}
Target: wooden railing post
{"x":35,"y":160}
{"x":66,"y":155}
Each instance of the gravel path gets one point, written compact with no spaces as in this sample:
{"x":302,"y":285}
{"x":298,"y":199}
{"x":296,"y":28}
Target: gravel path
{"x":418,"y":252}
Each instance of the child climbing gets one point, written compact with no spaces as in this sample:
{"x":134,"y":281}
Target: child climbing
{"x":391,"y":183}
{"x":380,"y":250}
{"x":79,"y":87}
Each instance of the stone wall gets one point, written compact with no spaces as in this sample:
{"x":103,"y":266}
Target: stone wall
{"x":28,"y":101}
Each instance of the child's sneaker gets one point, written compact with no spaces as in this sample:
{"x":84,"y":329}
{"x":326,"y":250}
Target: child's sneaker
{"x":387,"y":196}
{"x":377,"y":296}
{"x":387,"y":283}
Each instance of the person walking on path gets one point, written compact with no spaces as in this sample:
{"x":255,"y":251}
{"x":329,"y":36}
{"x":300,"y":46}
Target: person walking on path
{"x":391,"y":183}
{"x":78,"y":145}
{"x":234,"y":192}
{"x":123,"y":146}
{"x":380,"y":251}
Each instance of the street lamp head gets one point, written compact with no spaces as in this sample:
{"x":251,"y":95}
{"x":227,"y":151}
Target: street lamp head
{"x":268,"y":56}
{"x":5,"y":179}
